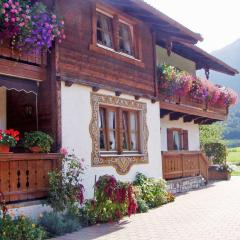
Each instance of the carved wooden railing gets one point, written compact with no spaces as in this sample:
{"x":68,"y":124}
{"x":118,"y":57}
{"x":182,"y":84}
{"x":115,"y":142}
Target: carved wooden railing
{"x":20,"y":64}
{"x":178,"y":164}
{"x":195,"y":104}
{"x":25,"y":176}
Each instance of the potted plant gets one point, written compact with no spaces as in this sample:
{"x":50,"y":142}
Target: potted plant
{"x":37,"y":142}
{"x":8,"y":138}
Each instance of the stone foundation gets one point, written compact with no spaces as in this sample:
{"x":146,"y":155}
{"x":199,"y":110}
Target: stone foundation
{"x":185,"y":184}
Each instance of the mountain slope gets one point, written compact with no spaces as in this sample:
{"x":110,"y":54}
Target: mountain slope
{"x":231,"y":55}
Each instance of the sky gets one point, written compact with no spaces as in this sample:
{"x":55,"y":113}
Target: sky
{"x":218,"y":21}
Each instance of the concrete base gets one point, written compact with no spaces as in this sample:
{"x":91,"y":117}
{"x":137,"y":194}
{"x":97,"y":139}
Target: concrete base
{"x":185,"y":184}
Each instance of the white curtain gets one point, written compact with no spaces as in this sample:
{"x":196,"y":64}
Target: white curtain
{"x":112,"y":138}
{"x":133,"y":123}
{"x":125,"y":33}
{"x":176,"y":140}
{"x":105,"y":24}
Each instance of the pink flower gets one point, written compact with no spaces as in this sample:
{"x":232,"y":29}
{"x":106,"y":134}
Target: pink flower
{"x":54,"y":16}
{"x":5,"y":5}
{"x":64,"y":151}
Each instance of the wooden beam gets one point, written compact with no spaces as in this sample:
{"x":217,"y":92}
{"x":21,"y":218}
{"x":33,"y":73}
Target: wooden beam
{"x":192,"y":111}
{"x":164,"y":113}
{"x":176,"y":116}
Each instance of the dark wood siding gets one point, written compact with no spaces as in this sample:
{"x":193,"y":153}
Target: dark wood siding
{"x":78,"y":63}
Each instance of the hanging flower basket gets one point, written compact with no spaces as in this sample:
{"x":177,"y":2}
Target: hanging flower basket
{"x":174,"y":82}
{"x":29,"y":26}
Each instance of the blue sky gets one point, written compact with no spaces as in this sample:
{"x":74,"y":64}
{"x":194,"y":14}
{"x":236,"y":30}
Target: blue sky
{"x":217,"y":21}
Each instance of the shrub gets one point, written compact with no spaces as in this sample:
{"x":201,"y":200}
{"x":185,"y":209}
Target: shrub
{"x":114,"y":199}
{"x":20,"y":228}
{"x":58,"y":224}
{"x":38,"y":139}
{"x":87,"y":214}
{"x":153,"y":191}
{"x":170,"y":197}
{"x":217,"y":152}
{"x":142,"y":206}
{"x":65,"y":188}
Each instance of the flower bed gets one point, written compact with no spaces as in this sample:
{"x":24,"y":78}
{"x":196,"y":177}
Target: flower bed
{"x":174,"y":82}
{"x":29,"y":26}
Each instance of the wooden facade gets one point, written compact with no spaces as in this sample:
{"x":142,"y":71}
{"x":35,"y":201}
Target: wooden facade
{"x":82,"y":60}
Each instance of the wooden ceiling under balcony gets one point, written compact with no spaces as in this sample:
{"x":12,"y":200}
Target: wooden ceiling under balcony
{"x":21,"y":65}
{"x":192,"y":111}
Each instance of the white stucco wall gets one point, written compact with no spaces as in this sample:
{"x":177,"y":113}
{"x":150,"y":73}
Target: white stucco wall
{"x":3,"y":114}
{"x":175,"y":60}
{"x":193,"y":132}
{"x":76,"y":117}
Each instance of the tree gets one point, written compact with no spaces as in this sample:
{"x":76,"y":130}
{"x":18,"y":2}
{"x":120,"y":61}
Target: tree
{"x":211,"y":133}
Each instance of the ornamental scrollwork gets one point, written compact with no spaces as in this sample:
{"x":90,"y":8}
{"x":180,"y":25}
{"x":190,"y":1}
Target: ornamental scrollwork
{"x":121,"y":163}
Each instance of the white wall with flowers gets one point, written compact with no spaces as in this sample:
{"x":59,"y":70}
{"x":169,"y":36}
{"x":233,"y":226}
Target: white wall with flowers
{"x":76,"y":117}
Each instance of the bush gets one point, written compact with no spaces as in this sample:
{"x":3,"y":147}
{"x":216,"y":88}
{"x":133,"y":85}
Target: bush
{"x":142,"y":206}
{"x":217,"y":152}
{"x":153,"y":191}
{"x":114,"y":199}
{"x":65,"y":188}
{"x":87,"y":214}
{"x":20,"y":228}
{"x":59,"y":224}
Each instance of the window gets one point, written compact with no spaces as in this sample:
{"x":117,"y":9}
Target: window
{"x":125,"y":39}
{"x":119,"y":130}
{"x":104,"y":30}
{"x":113,"y":33}
{"x":177,"y":139}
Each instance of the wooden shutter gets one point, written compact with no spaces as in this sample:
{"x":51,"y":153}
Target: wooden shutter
{"x":169,"y":139}
{"x":185,"y":140}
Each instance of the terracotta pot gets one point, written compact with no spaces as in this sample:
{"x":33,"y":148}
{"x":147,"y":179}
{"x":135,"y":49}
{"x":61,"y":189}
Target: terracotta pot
{"x":35,"y":149}
{"x":4,"y":148}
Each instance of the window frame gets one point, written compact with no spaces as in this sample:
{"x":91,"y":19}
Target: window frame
{"x":118,"y":17}
{"x":184,"y":143}
{"x":119,"y":131}
{"x":110,"y":33}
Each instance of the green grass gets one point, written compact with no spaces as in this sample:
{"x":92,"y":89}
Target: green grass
{"x":233,"y":159}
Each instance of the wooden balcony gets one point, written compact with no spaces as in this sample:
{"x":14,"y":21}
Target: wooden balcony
{"x":25,"y":176}
{"x":191,"y":109}
{"x":179,"y":164}
{"x":30,"y":66}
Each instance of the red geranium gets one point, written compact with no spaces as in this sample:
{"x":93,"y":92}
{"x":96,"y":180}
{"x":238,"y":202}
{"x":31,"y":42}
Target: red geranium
{"x":9,"y":137}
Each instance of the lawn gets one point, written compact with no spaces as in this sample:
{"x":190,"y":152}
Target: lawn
{"x":233,"y":159}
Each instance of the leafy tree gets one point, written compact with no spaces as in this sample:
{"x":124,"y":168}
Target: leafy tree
{"x":211,"y":133}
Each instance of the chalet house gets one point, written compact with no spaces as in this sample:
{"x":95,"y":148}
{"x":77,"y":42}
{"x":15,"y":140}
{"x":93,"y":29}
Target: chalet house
{"x":98,"y":93}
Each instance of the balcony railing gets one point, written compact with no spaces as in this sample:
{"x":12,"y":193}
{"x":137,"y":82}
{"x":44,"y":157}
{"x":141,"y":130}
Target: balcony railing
{"x":25,"y":176}
{"x":24,"y":65}
{"x":190,"y":103}
{"x":179,"y":164}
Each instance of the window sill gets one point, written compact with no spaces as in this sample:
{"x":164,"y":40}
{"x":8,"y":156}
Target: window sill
{"x":117,"y":55}
{"x":122,"y":155}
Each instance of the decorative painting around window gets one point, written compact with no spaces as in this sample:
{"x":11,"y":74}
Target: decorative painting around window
{"x":119,"y":132}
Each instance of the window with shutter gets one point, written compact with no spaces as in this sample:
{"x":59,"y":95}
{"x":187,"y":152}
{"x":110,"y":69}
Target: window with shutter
{"x":177,"y":139}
